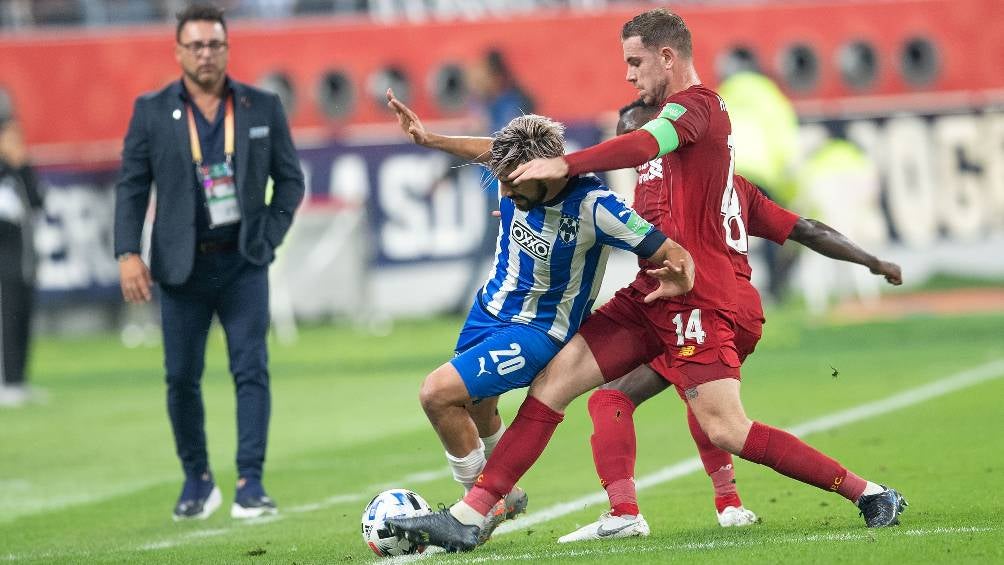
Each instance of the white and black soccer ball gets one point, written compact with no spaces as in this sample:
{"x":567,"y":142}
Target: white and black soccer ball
{"x":393,"y":503}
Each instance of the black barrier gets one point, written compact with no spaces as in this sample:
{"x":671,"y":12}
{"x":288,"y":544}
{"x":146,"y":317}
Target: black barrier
{"x":859,"y":64}
{"x":279,"y":83}
{"x":799,"y":67}
{"x":448,"y":86}
{"x":919,"y":61}
{"x":336,"y":94}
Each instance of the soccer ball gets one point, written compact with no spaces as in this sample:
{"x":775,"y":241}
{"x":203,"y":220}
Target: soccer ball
{"x":393,"y":503}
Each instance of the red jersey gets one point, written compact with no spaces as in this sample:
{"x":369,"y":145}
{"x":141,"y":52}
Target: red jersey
{"x":754,"y":214}
{"x":685,"y":194}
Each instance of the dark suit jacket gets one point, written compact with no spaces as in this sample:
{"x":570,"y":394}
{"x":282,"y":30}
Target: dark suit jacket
{"x":157,"y":150}
{"x":17,"y":239}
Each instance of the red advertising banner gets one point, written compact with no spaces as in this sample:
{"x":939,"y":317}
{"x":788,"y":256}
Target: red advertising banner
{"x":74,"y":89}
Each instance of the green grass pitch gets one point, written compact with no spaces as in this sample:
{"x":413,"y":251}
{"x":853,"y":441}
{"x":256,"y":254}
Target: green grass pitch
{"x":90,"y":475}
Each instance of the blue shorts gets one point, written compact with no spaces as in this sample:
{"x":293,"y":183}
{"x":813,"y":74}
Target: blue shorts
{"x":494,"y":356}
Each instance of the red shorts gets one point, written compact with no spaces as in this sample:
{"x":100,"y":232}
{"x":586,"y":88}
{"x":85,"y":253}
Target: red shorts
{"x":625,"y":333}
{"x":748,"y":330}
{"x":745,"y":339}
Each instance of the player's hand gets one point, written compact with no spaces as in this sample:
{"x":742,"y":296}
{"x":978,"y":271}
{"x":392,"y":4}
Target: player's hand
{"x":135,"y":279}
{"x":676,"y":277}
{"x":407,"y":119}
{"x":540,"y":169}
{"x":891,"y":271}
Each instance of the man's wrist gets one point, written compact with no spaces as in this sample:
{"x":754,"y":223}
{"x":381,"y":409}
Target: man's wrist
{"x":124,"y":256}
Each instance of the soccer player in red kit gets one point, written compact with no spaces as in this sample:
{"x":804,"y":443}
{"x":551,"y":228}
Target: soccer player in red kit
{"x":692,"y":206}
{"x":612,"y":406}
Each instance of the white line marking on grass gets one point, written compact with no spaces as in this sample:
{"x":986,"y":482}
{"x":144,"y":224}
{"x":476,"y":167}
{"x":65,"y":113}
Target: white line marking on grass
{"x":749,"y":542}
{"x":15,"y":506}
{"x":940,"y":387}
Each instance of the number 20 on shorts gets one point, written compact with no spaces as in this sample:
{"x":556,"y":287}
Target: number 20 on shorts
{"x":692,"y":330}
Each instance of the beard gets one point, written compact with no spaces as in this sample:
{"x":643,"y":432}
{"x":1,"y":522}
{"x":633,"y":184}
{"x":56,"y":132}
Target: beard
{"x":205,"y":77}
{"x":531,"y":201}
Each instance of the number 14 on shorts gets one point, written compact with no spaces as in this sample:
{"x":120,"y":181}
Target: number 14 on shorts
{"x":692,"y":330}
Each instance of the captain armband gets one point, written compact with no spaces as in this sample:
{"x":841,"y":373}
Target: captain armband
{"x":664,"y":133}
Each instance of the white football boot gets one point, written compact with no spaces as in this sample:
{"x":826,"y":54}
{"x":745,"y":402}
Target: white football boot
{"x":732,"y":516}
{"x":609,"y":527}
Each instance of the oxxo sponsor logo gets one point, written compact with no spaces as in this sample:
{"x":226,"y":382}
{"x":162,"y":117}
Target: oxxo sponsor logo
{"x":529,"y":241}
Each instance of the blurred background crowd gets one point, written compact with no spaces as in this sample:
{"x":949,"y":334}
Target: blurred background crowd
{"x":26,"y":13}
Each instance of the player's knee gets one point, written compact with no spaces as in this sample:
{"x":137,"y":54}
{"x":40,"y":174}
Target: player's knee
{"x":432,"y":394}
{"x":720,"y":437}
{"x":442,"y":389}
{"x":723,"y":435}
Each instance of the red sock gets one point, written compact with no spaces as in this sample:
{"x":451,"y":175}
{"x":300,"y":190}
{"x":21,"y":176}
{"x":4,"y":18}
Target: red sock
{"x":515,"y":453}
{"x":726,"y":495}
{"x":623,"y":497}
{"x":794,"y":458}
{"x":615,"y":448}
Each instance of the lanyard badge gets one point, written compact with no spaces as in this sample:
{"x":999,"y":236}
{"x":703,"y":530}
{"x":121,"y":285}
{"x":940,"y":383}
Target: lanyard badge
{"x":217,"y":180}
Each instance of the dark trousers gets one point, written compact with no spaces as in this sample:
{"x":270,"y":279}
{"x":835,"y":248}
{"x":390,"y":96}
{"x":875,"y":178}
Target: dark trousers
{"x":16,"y":300}
{"x":237,"y":292}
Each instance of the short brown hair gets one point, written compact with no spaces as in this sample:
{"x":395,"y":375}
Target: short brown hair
{"x":199,"y":13}
{"x":660,"y":28}
{"x":524,"y":139}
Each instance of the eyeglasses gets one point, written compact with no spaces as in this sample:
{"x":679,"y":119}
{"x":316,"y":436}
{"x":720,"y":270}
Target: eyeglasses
{"x":195,"y":47}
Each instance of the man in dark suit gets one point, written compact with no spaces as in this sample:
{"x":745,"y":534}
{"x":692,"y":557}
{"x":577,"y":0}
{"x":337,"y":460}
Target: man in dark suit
{"x":20,"y":204}
{"x":209,"y":143}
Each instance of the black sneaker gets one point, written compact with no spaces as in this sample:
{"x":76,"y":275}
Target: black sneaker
{"x":251,"y":500}
{"x":439,"y":528}
{"x":882,"y":509}
{"x":199,"y":498}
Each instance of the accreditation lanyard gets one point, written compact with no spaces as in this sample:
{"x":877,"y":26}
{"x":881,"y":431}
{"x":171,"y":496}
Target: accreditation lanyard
{"x":217,"y":179}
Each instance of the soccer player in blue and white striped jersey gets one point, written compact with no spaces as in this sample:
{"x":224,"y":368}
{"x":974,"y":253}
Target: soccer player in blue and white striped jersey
{"x":552,"y":247}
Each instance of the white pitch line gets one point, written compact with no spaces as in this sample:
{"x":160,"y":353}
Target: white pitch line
{"x":749,"y":542}
{"x":910,"y":397}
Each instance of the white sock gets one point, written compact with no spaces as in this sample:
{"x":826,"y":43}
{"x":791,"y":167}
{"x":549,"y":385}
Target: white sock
{"x":466,"y":469}
{"x":872,"y":488}
{"x":465,"y":514}
{"x":491,"y":441}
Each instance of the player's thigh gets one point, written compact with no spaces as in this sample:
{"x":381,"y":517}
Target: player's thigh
{"x":572,"y":372}
{"x":719,"y":410}
{"x":639,"y":385}
{"x":507,"y":359}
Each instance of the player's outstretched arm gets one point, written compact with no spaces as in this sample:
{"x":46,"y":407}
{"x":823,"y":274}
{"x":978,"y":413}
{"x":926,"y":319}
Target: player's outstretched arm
{"x":675,"y":276}
{"x":827,"y":241}
{"x":621,"y":152}
{"x":476,"y":149}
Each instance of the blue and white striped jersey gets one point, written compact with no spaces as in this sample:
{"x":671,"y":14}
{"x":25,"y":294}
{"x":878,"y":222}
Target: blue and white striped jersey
{"x":549,"y":261}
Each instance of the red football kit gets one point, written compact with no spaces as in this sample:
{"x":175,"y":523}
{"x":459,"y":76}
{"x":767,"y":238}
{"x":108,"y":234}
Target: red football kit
{"x":757,"y":216}
{"x":688,"y":194}
{"x":695,"y":203}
